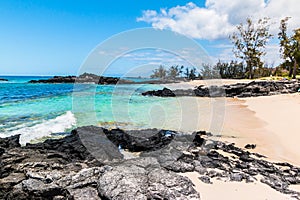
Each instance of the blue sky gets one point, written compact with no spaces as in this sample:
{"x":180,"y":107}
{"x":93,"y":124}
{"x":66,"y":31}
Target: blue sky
{"x":55,"y":36}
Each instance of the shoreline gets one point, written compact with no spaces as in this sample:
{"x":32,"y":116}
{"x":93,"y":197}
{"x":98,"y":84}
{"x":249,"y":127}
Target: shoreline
{"x":268,"y":122}
{"x":89,"y":162}
{"x":280,"y":115}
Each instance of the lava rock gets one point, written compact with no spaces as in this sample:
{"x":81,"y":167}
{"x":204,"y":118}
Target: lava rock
{"x":141,"y":140}
{"x":84,"y":78}
{"x":250,"y":146}
{"x":205,"y":179}
{"x":241,"y":90}
{"x":165,"y":92}
{"x":10,"y":142}
{"x":84,"y":143}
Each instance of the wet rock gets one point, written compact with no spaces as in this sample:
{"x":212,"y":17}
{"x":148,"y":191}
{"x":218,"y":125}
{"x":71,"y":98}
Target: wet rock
{"x":10,"y":142}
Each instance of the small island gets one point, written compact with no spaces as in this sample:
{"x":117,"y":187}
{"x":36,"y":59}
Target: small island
{"x":83,"y":78}
{"x":3,"y":79}
{"x":104,"y":80}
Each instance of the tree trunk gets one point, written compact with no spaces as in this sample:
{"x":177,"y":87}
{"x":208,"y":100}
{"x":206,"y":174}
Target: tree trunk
{"x":251,"y":72}
{"x":295,"y":69}
{"x":290,"y":70}
{"x":290,"y":65}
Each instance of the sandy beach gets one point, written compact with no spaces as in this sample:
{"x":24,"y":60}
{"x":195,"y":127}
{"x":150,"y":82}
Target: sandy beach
{"x":269,"y":122}
{"x":234,"y":190}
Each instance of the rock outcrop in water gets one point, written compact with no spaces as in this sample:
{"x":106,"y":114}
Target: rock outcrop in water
{"x":252,"y":89}
{"x":3,"y":79}
{"x":102,"y":80}
{"x":84,"y":78}
{"x":67,"y":168}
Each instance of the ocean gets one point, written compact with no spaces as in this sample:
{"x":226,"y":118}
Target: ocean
{"x":40,"y":111}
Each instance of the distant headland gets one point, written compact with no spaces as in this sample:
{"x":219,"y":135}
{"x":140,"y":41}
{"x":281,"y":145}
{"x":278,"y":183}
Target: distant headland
{"x":101,"y":80}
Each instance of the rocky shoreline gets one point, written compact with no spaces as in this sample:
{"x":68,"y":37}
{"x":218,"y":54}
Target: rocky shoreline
{"x":80,"y":166}
{"x":83,"y":78}
{"x":101,"y":80}
{"x":252,"y":89}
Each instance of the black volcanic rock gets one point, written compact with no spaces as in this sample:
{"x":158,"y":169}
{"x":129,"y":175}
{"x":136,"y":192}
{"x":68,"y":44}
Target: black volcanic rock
{"x":250,"y":146}
{"x":3,"y":79}
{"x":84,"y":78}
{"x":87,"y":165}
{"x":252,"y":89}
{"x":65,"y":169}
{"x":10,"y":142}
{"x":83,"y":143}
{"x":140,"y":140}
{"x":143,"y":178}
{"x":165,"y":92}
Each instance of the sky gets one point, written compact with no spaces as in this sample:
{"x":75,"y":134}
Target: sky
{"x":55,"y":37}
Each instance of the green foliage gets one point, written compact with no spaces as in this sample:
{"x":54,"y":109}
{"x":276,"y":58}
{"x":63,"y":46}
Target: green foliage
{"x":161,"y":72}
{"x":192,"y":75}
{"x":209,"y":72}
{"x":224,"y":70}
{"x":175,"y":72}
{"x":250,"y":41}
{"x":286,"y":46}
{"x":289,"y":48}
{"x":232,"y":70}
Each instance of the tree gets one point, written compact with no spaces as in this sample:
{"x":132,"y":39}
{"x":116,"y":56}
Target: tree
{"x":192,"y":75}
{"x":289,"y":47}
{"x":181,"y":70}
{"x":187,"y":72}
{"x":209,"y":72}
{"x":233,"y":70}
{"x":161,"y":72}
{"x":296,"y":52}
{"x":286,"y":46}
{"x":250,"y":41}
{"x":174,"y":72}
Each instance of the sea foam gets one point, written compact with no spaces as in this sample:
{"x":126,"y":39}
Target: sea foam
{"x":44,"y":129}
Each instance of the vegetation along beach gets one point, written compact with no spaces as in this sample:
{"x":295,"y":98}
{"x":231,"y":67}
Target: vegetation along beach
{"x":150,"y":100}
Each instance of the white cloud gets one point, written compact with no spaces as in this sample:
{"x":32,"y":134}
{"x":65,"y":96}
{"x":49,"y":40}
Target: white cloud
{"x":158,"y":57}
{"x":218,"y":18}
{"x":190,"y":20}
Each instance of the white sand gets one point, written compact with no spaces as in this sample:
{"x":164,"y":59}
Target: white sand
{"x":270,"y":122}
{"x":281,"y":115}
{"x":234,"y":190}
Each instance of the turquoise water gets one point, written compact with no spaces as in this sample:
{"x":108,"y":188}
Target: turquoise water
{"x":43,"y":110}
